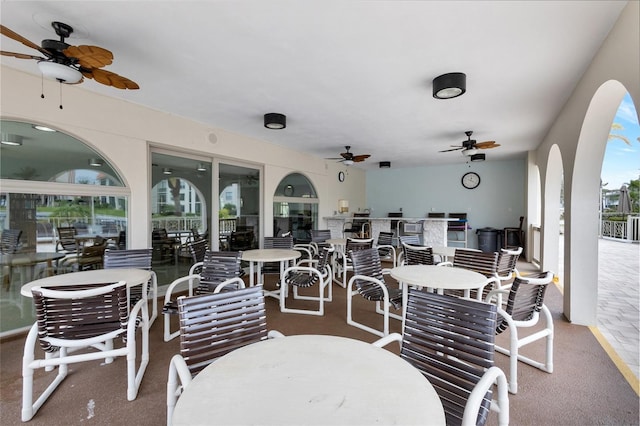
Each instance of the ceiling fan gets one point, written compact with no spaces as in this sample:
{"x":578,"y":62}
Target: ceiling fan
{"x":348,"y":158}
{"x":69,"y":64}
{"x":470,"y":146}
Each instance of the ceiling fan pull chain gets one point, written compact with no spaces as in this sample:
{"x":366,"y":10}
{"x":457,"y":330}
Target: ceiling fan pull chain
{"x":60,"y":83}
{"x":41,"y":86}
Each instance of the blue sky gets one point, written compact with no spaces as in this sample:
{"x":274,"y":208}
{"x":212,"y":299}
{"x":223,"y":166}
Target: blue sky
{"x":621,"y":161}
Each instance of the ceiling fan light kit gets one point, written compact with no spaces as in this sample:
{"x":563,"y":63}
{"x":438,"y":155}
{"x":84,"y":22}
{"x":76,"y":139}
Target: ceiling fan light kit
{"x":62,"y":73}
{"x":385,"y":164}
{"x":449,"y":86}
{"x":470,"y":152}
{"x":275,"y":121}
{"x":10,"y":139}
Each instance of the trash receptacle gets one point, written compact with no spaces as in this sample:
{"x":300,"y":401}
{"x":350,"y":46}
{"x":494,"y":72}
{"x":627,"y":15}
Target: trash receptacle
{"x":487,"y":239}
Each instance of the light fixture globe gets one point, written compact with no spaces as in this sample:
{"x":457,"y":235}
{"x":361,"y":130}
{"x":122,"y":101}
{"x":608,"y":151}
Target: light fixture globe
{"x":62,"y":73}
{"x":347,"y":162}
{"x":449,"y":86}
{"x":275,"y":121}
{"x":470,"y":152}
{"x":11,"y":140}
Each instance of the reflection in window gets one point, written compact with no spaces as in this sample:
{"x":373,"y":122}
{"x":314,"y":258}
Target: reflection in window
{"x":52,"y":157}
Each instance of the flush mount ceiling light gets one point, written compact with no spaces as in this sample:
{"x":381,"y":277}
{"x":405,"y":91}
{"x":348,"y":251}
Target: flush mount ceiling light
{"x":96,"y":162}
{"x":276,"y":121}
{"x":167,"y":171}
{"x":9,"y":139}
{"x":201,"y":167}
{"x":448,"y":86}
{"x":385,"y":164}
{"x":59,"y":72}
{"x":478,"y":157}
{"x":43,"y":128}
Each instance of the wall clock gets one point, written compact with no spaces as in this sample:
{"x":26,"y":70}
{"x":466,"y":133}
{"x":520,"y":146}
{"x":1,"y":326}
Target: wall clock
{"x":471,"y":180}
{"x":341,"y":176}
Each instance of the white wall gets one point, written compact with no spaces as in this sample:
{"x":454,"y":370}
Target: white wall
{"x":498,"y":202}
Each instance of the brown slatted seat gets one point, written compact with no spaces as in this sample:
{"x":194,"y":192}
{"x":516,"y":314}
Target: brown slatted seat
{"x":385,"y":247}
{"x":285,"y":243}
{"x":82,"y":316}
{"x":477,"y":261}
{"x":211,"y":326}
{"x":524,"y":303}
{"x":353,"y":244}
{"x":451,"y":341}
{"x":506,"y":265}
{"x":368,"y":281}
{"x":318,"y":272}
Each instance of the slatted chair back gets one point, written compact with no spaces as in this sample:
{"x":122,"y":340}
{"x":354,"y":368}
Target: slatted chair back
{"x":90,"y":317}
{"x":477,"y":261}
{"x":217,"y":267}
{"x":367,"y":262}
{"x":10,"y":241}
{"x":195,"y":234}
{"x":356,"y":244}
{"x":525,"y":299}
{"x":385,"y":239}
{"x":279,"y":242}
{"x":91,"y":257}
{"x":132,"y":258}
{"x":197,"y":249}
{"x":66,"y":239}
{"x":451,"y":341}
{"x":507,"y":261}
{"x":417,"y":255}
{"x":215,"y":324}
{"x":413,"y":239}
{"x":319,"y":236}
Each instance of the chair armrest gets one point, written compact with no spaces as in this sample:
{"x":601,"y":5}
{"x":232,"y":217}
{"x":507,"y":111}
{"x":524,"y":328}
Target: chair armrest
{"x":491,"y":376}
{"x":445,"y":264}
{"x":195,"y":268}
{"x":384,"y":341}
{"x":178,"y":281}
{"x":236,"y":281}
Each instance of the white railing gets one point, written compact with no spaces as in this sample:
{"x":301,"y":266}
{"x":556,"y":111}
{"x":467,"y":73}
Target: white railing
{"x":628,"y":230}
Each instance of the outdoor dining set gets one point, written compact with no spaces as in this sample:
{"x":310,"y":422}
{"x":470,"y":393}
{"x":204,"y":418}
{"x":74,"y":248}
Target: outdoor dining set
{"x":450,"y":304}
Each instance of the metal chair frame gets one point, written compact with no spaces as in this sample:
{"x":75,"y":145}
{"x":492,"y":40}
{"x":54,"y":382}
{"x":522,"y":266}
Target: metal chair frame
{"x":318,"y":272}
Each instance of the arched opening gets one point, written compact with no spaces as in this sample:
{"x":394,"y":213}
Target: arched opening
{"x":295,"y":207}
{"x":553,"y":211}
{"x":581,"y":247}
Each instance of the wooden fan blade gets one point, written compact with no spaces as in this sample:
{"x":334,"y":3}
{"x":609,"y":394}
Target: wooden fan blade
{"x":22,"y":55}
{"x":453,"y":149}
{"x":109,"y":78}
{"x":486,"y":145}
{"x":89,"y":56}
{"x":359,"y":158}
{"x":17,"y":37}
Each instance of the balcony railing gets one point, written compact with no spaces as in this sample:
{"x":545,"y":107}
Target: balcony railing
{"x":628,"y":230}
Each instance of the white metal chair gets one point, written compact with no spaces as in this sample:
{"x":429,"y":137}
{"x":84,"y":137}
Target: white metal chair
{"x":216,"y":268}
{"x":522,"y":310}
{"x":300,"y":276}
{"x":344,"y":264}
{"x":211,"y":326}
{"x":100,"y":315}
{"x":507,"y":264}
{"x":368,"y":280}
{"x":385,"y":247}
{"x":416,"y":255}
{"x":451,"y":341}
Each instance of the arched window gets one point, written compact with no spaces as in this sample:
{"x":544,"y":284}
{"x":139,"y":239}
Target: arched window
{"x":295,"y":207}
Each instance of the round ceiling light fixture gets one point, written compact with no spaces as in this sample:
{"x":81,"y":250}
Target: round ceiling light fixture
{"x":275,"y":121}
{"x":10,"y":139}
{"x":449,"y":86}
{"x":60,"y":72}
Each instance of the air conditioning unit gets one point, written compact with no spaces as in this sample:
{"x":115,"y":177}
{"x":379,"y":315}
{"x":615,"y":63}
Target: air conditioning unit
{"x":412,"y":228}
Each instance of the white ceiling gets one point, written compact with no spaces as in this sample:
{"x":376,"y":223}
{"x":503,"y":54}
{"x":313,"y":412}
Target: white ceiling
{"x":344,"y":72}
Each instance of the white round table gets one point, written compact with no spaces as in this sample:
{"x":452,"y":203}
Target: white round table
{"x":259,"y":256}
{"x":309,"y":380}
{"x":436,"y":277}
{"x":132,"y":276}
